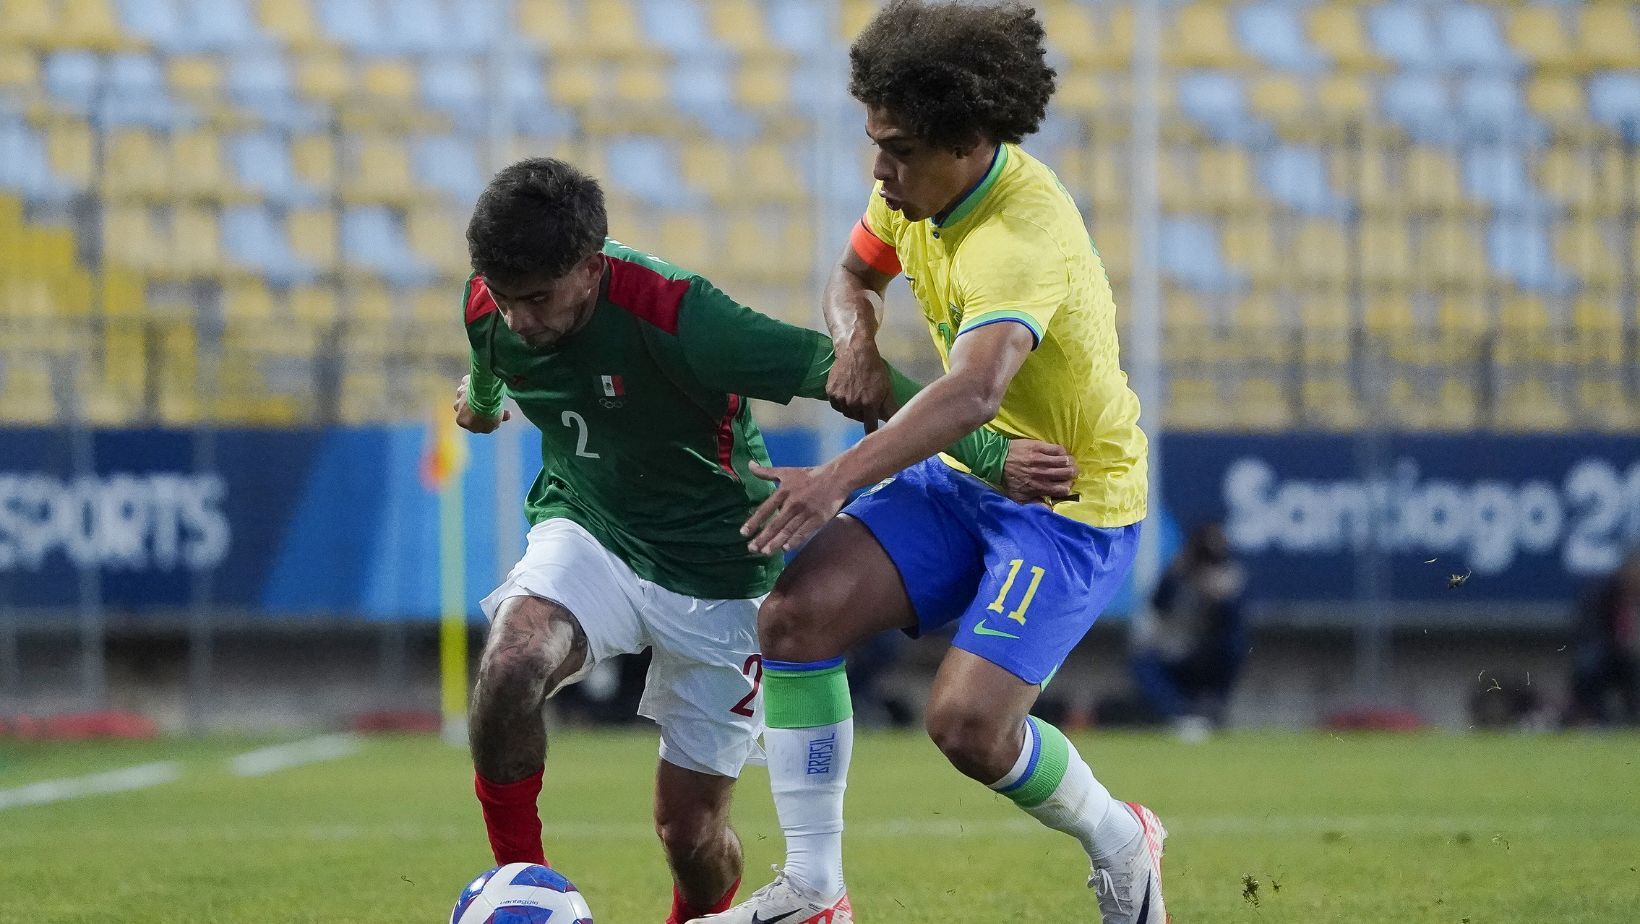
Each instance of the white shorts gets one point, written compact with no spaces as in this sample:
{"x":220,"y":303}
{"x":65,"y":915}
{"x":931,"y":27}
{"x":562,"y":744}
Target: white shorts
{"x":705,"y":678}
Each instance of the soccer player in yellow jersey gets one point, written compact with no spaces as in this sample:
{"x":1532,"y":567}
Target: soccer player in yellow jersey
{"x":1021,"y":313}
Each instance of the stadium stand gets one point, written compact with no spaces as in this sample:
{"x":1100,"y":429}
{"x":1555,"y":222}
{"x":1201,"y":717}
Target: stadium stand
{"x":1434,"y":203}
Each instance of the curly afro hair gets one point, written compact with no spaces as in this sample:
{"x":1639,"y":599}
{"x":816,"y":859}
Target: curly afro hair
{"x":954,"y":73}
{"x":536,"y":219}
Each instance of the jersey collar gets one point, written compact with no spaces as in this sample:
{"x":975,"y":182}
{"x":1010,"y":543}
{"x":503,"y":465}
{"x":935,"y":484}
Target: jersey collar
{"x":973,"y":197}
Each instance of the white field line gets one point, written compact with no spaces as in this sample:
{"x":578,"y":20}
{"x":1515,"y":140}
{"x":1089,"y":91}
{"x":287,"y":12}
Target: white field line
{"x":264,"y":761}
{"x":1187,"y":827}
{"x":127,"y":779}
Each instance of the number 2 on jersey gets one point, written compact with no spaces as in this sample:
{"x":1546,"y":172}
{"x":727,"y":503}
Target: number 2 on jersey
{"x":1018,"y":615}
{"x":572,"y":419}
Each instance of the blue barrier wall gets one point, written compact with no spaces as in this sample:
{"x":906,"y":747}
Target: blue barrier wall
{"x":336,"y":521}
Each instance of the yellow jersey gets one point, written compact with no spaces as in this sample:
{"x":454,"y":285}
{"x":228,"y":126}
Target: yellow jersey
{"x":1015,"y":249}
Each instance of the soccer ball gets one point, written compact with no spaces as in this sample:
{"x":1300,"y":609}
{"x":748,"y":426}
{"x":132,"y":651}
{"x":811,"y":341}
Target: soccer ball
{"x":521,"y":893}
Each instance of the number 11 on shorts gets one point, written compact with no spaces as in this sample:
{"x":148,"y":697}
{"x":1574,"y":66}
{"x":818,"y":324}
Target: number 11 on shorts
{"x":1018,"y":615}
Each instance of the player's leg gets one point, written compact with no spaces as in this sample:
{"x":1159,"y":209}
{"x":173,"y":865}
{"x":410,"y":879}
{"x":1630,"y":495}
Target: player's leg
{"x":692,"y":820}
{"x":533,"y":647}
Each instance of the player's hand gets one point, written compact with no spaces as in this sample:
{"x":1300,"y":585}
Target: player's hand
{"x":1035,"y":470}
{"x":858,"y":386}
{"x":805,"y":500}
{"x":470,"y":420}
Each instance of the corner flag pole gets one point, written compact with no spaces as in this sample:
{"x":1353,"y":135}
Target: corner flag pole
{"x":443,"y":470}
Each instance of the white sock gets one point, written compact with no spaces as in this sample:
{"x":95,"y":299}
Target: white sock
{"x":1054,"y":785}
{"x":808,"y":772}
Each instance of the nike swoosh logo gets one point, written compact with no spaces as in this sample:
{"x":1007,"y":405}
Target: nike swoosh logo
{"x":758,"y":920}
{"x":983,"y":629}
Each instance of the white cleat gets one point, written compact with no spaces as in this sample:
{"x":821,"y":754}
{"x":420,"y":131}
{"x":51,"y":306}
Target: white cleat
{"x":1130,"y":886}
{"x":785,"y":901}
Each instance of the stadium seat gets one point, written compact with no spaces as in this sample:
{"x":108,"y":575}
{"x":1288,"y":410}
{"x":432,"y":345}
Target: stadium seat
{"x":1419,"y":103}
{"x":454,"y":85}
{"x":1273,"y":33}
{"x":390,"y":82}
{"x":220,"y":26}
{"x":612,"y":28}
{"x":1614,"y":99}
{"x":449,"y":164}
{"x":313,"y":240}
{"x":647,"y":167}
{"x":289,"y":22}
{"x":1217,"y":101}
{"x":30,"y":24}
{"x":763,"y":83}
{"x":71,"y":78}
{"x":1431,"y":179}
{"x":373,"y":241}
{"x":683,"y":239}
{"x":131,"y":238}
{"x":1345,"y":95}
{"x":437,"y":238}
{"x":247,"y":299}
{"x":1519,"y":249}
{"x":135,"y":164}
{"x":1497,"y":176}
{"x":1189,"y":253}
{"x":1607,"y":34}
{"x":1585,"y":249}
{"x":196,"y":242}
{"x":1537,"y":31}
{"x":1250,"y":248}
{"x":1470,"y":39}
{"x":89,"y":24}
{"x":797,"y":25}
{"x":1297,"y":177}
{"x":1199,"y":34}
{"x":419,"y":27}
{"x":1401,"y":32}
{"x":739,"y":25}
{"x":197,"y":167}
{"x":1386,"y":253}
{"x":377,"y":169}
{"x":313,"y":304}
{"x":677,"y":26}
{"x":157,"y":23}
{"x":1557,"y":98}
{"x":314,"y":157}
{"x":70,"y":152}
{"x":702,"y":87}
{"x":324,"y":76}
{"x":1493,"y":104}
{"x":1451,"y":253}
{"x":1335,"y":28}
{"x":642,"y":82}
{"x":1319,"y":250}
{"x":1279,"y":98}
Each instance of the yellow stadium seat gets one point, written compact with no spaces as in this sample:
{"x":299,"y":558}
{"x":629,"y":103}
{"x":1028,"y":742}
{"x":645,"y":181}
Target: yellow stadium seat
{"x":90,"y":24}
{"x":389,"y":81}
{"x":1224,"y":176}
{"x":30,"y":22}
{"x":763,"y":83}
{"x":1529,"y":404}
{"x":708,"y":166}
{"x":575,"y":81}
{"x":551,"y":24}
{"x":1320,"y":251}
{"x":19,"y":70}
{"x":194,"y":77}
{"x":1336,"y":29}
{"x":378,"y":168}
{"x":1345,"y":95}
{"x":1464,"y":314}
{"x":1451,"y":253}
{"x":767,"y":172}
{"x":1388,"y":313}
{"x":1114,"y":243}
{"x":739,"y":25}
{"x":324,"y":77}
{"x":131,"y":237}
{"x":196,"y":163}
{"x":314,"y":159}
{"x":1325,"y":315}
{"x":176,"y":371}
{"x":292,"y":24}
{"x":1557,"y":97}
{"x":1523,"y":314}
{"x":685,"y":241}
{"x":855,"y":15}
{"x":1586,"y":249}
{"x":1537,"y":31}
{"x":366,"y":398}
{"x":1604,"y":401}
{"x":641,"y":81}
{"x":1200,"y":35}
{"x":1194,"y":403}
{"x":1083,"y":92}
{"x":1386,"y":253}
{"x":196,"y":241}
{"x":136,"y":164}
{"x":1329,"y":402}
{"x":125,"y":355}
{"x":612,"y":28}
{"x":71,"y":152}
{"x":1262,"y":404}
{"x":1580,"y":179}
{"x":437,"y":236}
{"x":1108,"y":173}
{"x":751,"y":240}
{"x":1249,"y":246}
{"x":247,"y":299}
{"x":27,"y":391}
{"x":1607,"y":36}
{"x":313,"y":304}
{"x":1278,"y":97}
{"x":368,"y":301}
{"x":1431,"y":178}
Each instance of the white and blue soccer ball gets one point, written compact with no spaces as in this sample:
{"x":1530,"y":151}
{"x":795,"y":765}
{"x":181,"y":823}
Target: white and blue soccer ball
{"x":521,"y":893}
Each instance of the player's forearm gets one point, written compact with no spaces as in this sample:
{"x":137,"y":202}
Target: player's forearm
{"x":939,"y":415}
{"x":982,"y":449}
{"x":850,"y":307}
{"x":485,"y":392}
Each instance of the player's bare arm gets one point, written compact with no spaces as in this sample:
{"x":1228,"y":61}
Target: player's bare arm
{"x":983,"y":362}
{"x":471,"y":420}
{"x":858,"y":386}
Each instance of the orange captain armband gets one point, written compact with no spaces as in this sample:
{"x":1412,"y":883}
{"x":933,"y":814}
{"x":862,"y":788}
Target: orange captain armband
{"x":878,"y":254}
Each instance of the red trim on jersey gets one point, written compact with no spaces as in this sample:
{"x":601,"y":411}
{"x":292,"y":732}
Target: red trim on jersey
{"x":479,"y":300}
{"x":726,"y":437}
{"x":876,"y":252}
{"x":646,"y":293}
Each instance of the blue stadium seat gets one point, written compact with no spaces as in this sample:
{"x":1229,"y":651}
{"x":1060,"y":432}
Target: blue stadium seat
{"x":355,"y":25}
{"x":1296,"y":177}
{"x":23,"y":163}
{"x":374,"y":240}
{"x":473,"y":27}
{"x":417,"y":27}
{"x":157,"y":22}
{"x":454,"y":85}
{"x":450,"y":164}
{"x":799,"y":25}
{"x":216,"y":25}
{"x":1614,"y":98}
{"x":262,"y":163}
{"x":1190,"y":254}
{"x":1471,"y":38}
{"x":1493,"y":102}
{"x":676,"y":25}
{"x":1419,"y":103}
{"x":1518,"y":249}
{"x":72,"y":77}
{"x":135,"y":93}
{"x":1498,"y":176}
{"x":647,"y":167}
{"x":260,"y":81}
{"x":254,"y":239}
{"x":1218,"y":102}
{"x":702,"y":86}
{"x":1400,"y":31}
{"x":1273,"y":33}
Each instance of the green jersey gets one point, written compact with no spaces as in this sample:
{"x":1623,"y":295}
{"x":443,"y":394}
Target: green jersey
{"x":646,"y":437}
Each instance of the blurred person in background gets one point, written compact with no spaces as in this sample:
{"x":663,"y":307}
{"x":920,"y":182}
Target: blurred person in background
{"x":1606,"y":659}
{"x":1189,"y":647}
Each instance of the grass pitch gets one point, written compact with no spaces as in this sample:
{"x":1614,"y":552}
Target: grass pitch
{"x":1266,"y":829}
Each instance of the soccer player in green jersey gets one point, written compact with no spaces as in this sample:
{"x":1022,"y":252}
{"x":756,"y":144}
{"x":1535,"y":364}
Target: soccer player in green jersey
{"x":637,"y":374}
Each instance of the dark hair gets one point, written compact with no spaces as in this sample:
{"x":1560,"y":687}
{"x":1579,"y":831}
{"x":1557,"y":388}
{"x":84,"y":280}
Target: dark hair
{"x":537,"y":218}
{"x":952,"y":73}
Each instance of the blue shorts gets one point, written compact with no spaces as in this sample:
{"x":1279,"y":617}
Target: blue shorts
{"x":1023,"y":583}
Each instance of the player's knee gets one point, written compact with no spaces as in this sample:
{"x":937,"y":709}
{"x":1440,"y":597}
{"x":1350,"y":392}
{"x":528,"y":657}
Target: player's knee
{"x":533,"y":646}
{"x":789,"y":628}
{"x":971,"y":737}
{"x":689,"y":833}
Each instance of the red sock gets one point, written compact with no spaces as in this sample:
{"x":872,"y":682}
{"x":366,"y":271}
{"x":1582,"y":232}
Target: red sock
{"x":682,"y":913}
{"x":511,"y":818}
